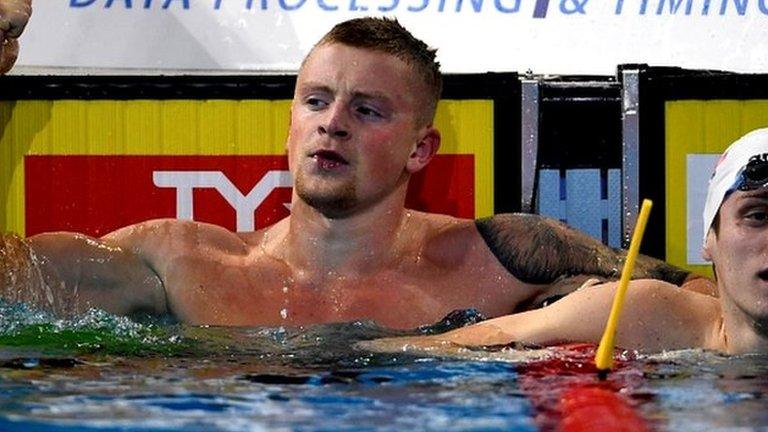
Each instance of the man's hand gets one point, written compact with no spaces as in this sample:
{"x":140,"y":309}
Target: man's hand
{"x":14,"y":15}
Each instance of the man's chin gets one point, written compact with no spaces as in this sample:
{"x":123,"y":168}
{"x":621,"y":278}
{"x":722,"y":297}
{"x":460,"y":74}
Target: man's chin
{"x":332,"y":206}
{"x":334,"y":201}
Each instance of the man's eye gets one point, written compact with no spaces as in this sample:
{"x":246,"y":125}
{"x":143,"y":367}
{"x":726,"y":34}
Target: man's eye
{"x":368,"y":111}
{"x":757,"y":215}
{"x":316,"y":102}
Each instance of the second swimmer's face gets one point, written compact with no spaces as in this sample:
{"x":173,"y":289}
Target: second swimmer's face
{"x":739,"y":250}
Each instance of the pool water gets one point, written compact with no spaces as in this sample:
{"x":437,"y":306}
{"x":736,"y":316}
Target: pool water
{"x":103,"y":373}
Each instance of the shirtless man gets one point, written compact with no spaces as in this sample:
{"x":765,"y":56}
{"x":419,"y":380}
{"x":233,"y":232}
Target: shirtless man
{"x":658,"y":316}
{"x":14,"y":15}
{"x":361,"y":124}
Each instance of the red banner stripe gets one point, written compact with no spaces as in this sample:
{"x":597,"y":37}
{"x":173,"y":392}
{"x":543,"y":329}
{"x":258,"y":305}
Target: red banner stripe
{"x":97,"y":194}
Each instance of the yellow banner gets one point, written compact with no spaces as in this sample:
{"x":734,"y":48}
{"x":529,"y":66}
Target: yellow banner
{"x":698,"y":128}
{"x":193,"y":127}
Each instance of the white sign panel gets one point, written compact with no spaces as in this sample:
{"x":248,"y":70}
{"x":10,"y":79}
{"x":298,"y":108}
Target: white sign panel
{"x":698,"y":169}
{"x":544,"y":36}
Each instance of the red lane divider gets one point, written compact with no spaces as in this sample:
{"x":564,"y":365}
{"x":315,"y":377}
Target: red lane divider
{"x":568,"y":396}
{"x":590,"y":408}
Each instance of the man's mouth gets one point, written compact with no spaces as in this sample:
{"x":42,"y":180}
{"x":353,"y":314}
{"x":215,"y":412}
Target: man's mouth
{"x":328,"y":159}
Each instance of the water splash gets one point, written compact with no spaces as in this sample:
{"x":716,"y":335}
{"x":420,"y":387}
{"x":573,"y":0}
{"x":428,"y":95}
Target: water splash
{"x":23,"y":278}
{"x":287,"y":283}
{"x":95,"y":331}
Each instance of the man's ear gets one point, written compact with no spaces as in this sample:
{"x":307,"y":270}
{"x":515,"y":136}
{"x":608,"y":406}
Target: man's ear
{"x":290,"y":122}
{"x":425,"y":150}
{"x":709,"y":245}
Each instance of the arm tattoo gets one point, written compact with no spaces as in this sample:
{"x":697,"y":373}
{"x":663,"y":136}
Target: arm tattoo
{"x":540,"y":250}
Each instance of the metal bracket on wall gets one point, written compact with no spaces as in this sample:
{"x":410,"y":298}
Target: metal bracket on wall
{"x":630,"y":149}
{"x":529,"y":128}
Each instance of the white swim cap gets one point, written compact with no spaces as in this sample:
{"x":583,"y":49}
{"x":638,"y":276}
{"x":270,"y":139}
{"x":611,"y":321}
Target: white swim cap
{"x":729,"y":175}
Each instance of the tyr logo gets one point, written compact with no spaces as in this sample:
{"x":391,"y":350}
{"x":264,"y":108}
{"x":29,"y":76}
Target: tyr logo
{"x":245,"y":205}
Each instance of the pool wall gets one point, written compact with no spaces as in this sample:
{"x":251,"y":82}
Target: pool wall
{"x":94,"y":153}
{"x":190,"y":147}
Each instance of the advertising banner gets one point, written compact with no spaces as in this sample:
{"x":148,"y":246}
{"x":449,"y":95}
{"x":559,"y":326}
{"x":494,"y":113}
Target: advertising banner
{"x":93,"y":166}
{"x":544,"y":36}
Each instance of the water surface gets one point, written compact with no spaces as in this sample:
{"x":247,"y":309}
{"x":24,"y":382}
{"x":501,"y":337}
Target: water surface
{"x":103,"y":373}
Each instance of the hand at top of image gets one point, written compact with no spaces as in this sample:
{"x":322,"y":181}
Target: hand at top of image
{"x":14,"y":15}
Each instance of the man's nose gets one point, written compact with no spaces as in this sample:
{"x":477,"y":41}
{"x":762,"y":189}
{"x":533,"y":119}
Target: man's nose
{"x":335,"y":123}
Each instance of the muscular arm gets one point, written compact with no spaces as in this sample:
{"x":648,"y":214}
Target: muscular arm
{"x":657,"y":316}
{"x":69,"y":273}
{"x":540,"y":250}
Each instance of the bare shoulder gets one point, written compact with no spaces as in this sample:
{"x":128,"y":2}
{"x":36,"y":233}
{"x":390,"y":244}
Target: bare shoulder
{"x":654,"y":293}
{"x":176,"y":235}
{"x":443,"y":227}
{"x":447,"y":240}
{"x":270,"y":237}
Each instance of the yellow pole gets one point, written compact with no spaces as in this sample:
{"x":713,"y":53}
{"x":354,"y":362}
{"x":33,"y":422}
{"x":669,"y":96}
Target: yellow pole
{"x":604,"y":354}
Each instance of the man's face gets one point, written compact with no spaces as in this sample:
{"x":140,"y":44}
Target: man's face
{"x":354,"y":128}
{"x":739,"y":251}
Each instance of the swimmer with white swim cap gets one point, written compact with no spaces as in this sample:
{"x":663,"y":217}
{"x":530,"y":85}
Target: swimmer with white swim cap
{"x":656,"y":315}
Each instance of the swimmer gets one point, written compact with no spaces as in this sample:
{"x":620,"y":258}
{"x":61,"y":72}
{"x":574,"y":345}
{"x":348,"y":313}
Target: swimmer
{"x":658,"y":316}
{"x":14,"y":15}
{"x":361,"y":125}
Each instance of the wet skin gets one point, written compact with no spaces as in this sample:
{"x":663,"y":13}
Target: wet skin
{"x":740,"y":250}
{"x":656,"y":316}
{"x":349,"y":250}
{"x":212,"y":276}
{"x":355,"y":137}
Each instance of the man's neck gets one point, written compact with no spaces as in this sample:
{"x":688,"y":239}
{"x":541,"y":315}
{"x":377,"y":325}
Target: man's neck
{"x":743,"y":333}
{"x":359,"y":244}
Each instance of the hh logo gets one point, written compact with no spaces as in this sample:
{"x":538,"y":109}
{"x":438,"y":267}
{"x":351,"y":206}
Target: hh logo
{"x":98,"y":194}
